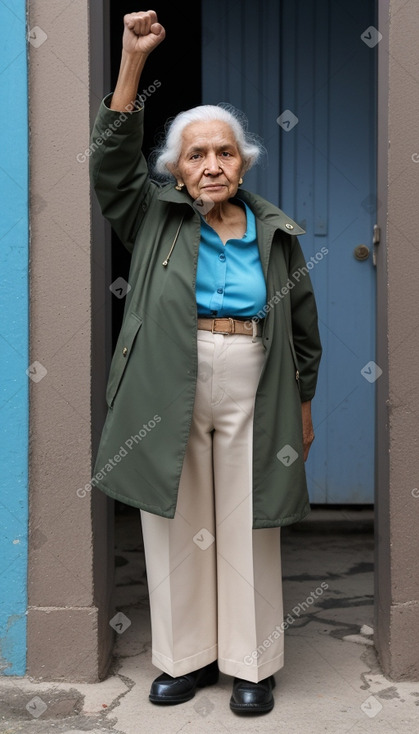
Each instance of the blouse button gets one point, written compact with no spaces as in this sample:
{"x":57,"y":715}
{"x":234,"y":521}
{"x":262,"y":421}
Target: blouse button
{"x":222,"y":257}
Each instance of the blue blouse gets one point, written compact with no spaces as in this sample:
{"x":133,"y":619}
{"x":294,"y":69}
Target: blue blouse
{"x":229,"y":279}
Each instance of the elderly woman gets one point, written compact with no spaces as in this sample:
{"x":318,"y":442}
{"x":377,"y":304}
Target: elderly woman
{"x":209,"y":421}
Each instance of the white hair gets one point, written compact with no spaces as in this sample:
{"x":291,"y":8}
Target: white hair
{"x":168,"y":152}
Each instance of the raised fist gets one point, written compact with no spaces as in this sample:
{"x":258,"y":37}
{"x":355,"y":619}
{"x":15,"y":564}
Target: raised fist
{"x":142,"y":32}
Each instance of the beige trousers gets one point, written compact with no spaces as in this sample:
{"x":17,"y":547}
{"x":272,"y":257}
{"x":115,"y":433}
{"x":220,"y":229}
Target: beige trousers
{"x":215,"y":584}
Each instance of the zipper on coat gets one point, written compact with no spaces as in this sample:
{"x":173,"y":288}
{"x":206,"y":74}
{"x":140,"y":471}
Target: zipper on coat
{"x":294,"y":357}
{"x":166,"y":261}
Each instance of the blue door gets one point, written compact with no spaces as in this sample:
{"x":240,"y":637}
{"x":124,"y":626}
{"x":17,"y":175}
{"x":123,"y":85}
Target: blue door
{"x":304,"y":73}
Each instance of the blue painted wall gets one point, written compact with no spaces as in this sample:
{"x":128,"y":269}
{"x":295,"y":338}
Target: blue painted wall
{"x":14,"y":270}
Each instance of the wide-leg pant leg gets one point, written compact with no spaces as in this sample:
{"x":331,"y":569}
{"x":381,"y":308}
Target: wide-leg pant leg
{"x":250,"y":605}
{"x":180,"y":553}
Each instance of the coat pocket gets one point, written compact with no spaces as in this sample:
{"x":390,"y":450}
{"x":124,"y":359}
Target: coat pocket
{"x":124,"y":345}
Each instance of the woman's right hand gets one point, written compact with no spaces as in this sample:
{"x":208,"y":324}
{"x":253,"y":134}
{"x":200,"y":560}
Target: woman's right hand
{"x":142,"y":33}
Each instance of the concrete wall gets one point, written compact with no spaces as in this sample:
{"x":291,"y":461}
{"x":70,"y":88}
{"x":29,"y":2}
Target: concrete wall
{"x":397,"y":508}
{"x":14,"y":264}
{"x":71,"y":546}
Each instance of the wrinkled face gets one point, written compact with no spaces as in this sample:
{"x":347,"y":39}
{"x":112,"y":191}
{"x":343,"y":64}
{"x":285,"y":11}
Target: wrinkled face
{"x":210,"y":163}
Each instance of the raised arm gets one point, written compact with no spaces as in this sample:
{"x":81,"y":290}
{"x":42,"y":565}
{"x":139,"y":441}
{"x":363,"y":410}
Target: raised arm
{"x":142,"y":34}
{"x":118,"y":169}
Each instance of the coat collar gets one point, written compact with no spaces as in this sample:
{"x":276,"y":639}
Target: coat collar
{"x":262,"y":209}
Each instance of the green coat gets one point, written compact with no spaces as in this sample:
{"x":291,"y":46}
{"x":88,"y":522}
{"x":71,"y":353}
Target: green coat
{"x":152,"y":381}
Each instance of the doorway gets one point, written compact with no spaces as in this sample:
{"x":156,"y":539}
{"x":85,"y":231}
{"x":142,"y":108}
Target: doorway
{"x":305,"y":75}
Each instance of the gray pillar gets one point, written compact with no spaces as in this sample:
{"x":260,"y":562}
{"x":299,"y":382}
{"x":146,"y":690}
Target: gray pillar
{"x":71,"y":538}
{"x":397,"y":501}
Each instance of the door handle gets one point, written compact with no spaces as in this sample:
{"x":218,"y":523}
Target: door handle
{"x":362,"y":252}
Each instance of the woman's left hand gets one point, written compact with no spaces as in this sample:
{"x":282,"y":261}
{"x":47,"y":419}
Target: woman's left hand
{"x":308,"y":431}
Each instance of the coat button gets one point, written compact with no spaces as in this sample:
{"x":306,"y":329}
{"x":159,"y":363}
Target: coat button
{"x":124,"y":352}
{"x":289,"y":226}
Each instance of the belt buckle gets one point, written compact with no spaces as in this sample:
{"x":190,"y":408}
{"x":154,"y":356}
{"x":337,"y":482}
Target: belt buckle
{"x":232,"y":330}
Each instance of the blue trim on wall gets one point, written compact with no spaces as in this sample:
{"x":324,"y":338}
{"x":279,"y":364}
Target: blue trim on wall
{"x":14,"y":338}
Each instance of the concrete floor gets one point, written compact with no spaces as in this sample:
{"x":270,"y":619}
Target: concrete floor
{"x":331,"y":681}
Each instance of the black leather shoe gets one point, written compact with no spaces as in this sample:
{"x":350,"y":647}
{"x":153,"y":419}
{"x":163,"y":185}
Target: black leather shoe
{"x":168,"y":690}
{"x":252,"y":698}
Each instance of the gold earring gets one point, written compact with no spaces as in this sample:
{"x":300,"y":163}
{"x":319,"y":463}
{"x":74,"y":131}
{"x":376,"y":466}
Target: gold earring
{"x":240,"y":181}
{"x":179,"y":186}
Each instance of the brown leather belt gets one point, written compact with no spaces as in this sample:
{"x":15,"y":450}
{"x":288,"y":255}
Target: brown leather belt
{"x":231,"y":326}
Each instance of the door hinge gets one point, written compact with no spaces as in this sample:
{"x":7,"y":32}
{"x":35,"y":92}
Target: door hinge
{"x":376,"y":238}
